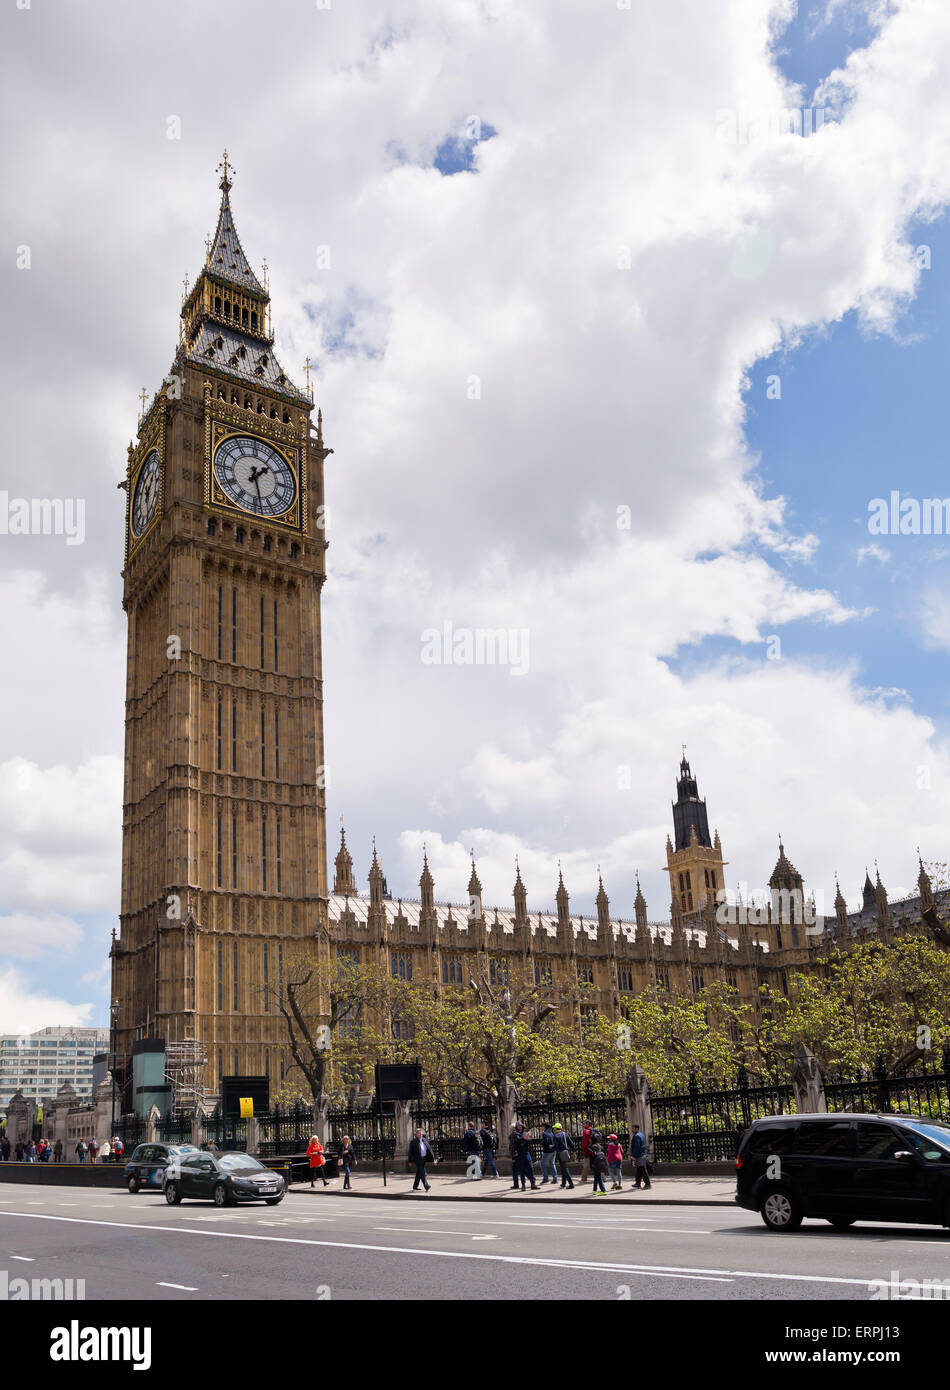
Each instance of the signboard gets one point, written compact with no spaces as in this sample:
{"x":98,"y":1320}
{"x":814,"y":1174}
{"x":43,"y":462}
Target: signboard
{"x":235,"y":1090}
{"x":403,"y":1082}
{"x":247,"y":1107}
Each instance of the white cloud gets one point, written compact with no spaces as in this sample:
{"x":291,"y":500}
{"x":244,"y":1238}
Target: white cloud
{"x":28,"y":936}
{"x":602,"y":387}
{"x":873,"y":551}
{"x":24,"y":1009}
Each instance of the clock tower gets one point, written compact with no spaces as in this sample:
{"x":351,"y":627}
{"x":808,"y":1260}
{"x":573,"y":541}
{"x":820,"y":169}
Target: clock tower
{"x":224,"y":835}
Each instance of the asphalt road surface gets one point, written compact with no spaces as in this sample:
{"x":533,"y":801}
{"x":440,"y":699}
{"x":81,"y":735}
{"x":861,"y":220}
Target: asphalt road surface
{"x":333,"y":1246}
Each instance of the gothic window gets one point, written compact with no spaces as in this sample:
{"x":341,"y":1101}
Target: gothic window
{"x":277,"y":743}
{"x":625,"y":978}
{"x":234,"y":620}
{"x":451,"y":970}
{"x":273,"y":412}
{"x":784,"y":983}
{"x":227,"y":308}
{"x":218,"y":733}
{"x":732,"y":981}
{"x":253,"y":319}
{"x":212,"y":527}
{"x":219,"y":616}
{"x":401,"y":965}
{"x":220,"y":988}
{"x":688,"y":881}
{"x":543,"y":974}
{"x":234,"y":961}
{"x":275,"y":627}
{"x":294,"y":550}
{"x":234,"y":735}
{"x":243,"y":316}
{"x":218,"y":850}
{"x":697,"y":980}
{"x":267,"y":545}
{"x":266,"y":984}
{"x":348,"y":1021}
{"x":403,"y":1030}
{"x":286,"y":418}
{"x":348,"y":960}
{"x":277,"y":853}
{"x":778,"y":936}
{"x":588,"y":1019}
{"x":585,"y":973}
{"x":794,"y":936}
{"x":264,"y":850}
{"x":234,"y":844}
{"x":262,"y":632}
{"x":263,"y":747}
{"x":217,"y":304}
{"x":498,"y":970}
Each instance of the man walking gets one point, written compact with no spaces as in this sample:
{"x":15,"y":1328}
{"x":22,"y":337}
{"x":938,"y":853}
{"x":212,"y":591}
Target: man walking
{"x":638,"y":1152}
{"x":489,"y":1144}
{"x":548,"y":1161}
{"x":562,"y":1150}
{"x":472,"y":1148}
{"x":420,"y":1152}
{"x":524,"y":1163}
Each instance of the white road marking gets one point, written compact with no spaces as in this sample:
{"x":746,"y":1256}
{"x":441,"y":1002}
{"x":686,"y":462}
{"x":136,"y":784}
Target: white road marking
{"x":189,"y":1288}
{"x":29,"y":1259}
{"x":609,"y":1266}
{"x":428,"y":1231}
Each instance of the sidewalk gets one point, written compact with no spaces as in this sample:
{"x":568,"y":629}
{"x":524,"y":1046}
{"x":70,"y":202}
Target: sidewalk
{"x":704,"y":1192}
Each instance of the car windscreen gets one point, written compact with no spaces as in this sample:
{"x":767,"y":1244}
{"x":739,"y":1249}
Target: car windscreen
{"x":233,"y":1162}
{"x":938,"y":1134}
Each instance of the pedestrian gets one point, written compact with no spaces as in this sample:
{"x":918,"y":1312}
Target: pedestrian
{"x":548,"y":1160}
{"x":31,"y":1152}
{"x":58,"y":1151}
{"x":317,"y":1161}
{"x":5,"y":1149}
{"x":586,"y":1132}
{"x":472,"y":1148}
{"x":347,"y":1159}
{"x":105,"y":1151}
{"x":47,"y":1153}
{"x":81,"y":1151}
{"x":93,"y":1150}
{"x":489,"y":1139}
{"x":615,"y":1162}
{"x":525,"y":1161}
{"x":420,"y":1152}
{"x":118,"y":1148}
{"x":598,"y":1162}
{"x":19,"y":1151}
{"x":638,"y":1152}
{"x":562,"y":1150}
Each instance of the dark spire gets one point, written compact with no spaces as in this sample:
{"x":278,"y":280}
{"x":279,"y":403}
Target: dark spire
{"x":869,"y":903}
{"x":343,"y":881}
{"x":226,"y":259}
{"x":689,"y":812}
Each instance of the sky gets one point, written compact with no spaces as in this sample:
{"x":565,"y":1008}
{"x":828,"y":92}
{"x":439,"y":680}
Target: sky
{"x":614,"y":352}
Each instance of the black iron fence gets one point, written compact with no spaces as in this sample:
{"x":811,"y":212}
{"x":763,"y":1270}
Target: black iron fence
{"x":570,"y":1110}
{"x":223,"y":1133}
{"x":703,"y":1123}
{"x":285,"y":1130}
{"x":131,"y":1130}
{"x":373,"y":1135}
{"x":445,"y":1125}
{"x":175,"y":1129}
{"x":920,"y":1088}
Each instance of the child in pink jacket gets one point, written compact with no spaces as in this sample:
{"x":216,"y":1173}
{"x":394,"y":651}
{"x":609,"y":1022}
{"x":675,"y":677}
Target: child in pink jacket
{"x":615,"y":1162}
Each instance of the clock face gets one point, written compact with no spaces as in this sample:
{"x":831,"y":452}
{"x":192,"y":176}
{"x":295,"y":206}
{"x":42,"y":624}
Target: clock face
{"x":254,"y":476}
{"x":146,"y":493}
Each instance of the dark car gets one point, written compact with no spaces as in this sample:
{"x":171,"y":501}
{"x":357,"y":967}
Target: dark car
{"x":222,"y":1178}
{"x":845,"y":1168}
{"x":146,"y":1168}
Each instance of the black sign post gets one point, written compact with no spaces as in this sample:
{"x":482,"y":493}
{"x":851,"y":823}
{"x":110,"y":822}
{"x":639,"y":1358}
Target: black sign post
{"x":395,"y":1082}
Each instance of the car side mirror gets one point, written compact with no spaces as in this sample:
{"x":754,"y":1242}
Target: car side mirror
{"x":904,"y":1155}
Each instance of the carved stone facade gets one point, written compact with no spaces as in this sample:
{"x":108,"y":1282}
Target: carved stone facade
{"x":224,"y":835}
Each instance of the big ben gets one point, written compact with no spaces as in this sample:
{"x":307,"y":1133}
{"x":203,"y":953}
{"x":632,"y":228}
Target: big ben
{"x":224,"y":832}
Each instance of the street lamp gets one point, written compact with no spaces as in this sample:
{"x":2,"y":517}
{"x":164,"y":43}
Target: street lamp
{"x":114,"y":1012}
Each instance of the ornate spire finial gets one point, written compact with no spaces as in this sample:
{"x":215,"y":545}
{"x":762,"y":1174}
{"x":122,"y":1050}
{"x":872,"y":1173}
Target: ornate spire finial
{"x":143,"y":397}
{"x":225,"y":167}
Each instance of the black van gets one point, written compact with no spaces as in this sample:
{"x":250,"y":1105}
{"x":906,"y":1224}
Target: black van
{"x":845,"y":1168}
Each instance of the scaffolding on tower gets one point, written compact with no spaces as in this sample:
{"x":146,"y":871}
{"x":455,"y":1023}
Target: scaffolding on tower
{"x":184,"y":1064}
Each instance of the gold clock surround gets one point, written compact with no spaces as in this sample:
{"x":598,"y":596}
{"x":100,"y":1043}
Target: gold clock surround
{"x":223,"y":424}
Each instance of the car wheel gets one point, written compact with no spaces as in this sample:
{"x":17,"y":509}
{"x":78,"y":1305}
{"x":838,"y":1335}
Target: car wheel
{"x":172,"y":1195}
{"x":272,"y":1201}
{"x":221,"y":1196}
{"x":841,"y":1223}
{"x":781,"y":1211}
{"x":133,"y":1184}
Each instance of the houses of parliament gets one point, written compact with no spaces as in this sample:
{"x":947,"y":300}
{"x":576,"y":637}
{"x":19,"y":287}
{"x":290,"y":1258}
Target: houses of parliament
{"x":224,"y":859}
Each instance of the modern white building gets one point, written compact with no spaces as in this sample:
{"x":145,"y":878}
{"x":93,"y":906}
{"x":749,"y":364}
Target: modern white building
{"x":39,"y":1063}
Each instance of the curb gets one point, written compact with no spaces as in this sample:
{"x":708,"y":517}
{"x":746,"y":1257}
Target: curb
{"x":529,"y":1201}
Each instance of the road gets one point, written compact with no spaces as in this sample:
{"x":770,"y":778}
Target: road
{"x":331,"y":1245}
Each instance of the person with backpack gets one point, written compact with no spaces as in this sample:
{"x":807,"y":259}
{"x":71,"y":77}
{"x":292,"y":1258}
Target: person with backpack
{"x":615,"y":1162}
{"x":93,"y":1150}
{"x":638,"y":1152}
{"x":548,"y":1160}
{"x":471,"y":1148}
{"x":598,"y":1162}
{"x":489,"y":1144}
{"x":118,"y":1149}
{"x":105,"y":1151}
{"x":562,"y":1152}
{"x":81,"y":1151}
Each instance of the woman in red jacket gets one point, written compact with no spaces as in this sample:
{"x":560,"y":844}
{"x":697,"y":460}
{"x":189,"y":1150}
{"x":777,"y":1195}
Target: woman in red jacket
{"x":317,"y":1161}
